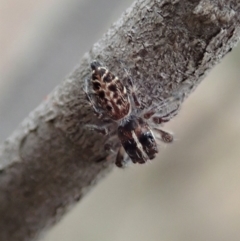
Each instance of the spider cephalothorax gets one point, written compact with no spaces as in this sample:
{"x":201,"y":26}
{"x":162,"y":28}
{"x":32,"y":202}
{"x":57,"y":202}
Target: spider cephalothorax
{"x":137,"y":139}
{"x":113,"y":100}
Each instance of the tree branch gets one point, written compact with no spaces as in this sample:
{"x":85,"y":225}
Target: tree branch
{"x":52,"y":160}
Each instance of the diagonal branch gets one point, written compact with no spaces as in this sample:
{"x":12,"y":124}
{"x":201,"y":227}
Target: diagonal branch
{"x":51,"y":160}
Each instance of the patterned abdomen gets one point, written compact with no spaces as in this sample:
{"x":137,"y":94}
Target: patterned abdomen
{"x":111,"y":94}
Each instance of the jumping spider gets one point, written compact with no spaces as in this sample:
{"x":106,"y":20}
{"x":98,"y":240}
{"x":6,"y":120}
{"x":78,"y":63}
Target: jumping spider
{"x":114,"y":101}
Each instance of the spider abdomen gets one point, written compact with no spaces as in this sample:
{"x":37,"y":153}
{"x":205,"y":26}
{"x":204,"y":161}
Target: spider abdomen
{"x":111,"y":94}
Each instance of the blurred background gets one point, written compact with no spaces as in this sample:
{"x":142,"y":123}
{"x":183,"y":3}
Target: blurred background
{"x":192,"y":192}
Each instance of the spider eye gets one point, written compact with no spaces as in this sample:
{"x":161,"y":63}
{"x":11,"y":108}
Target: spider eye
{"x":147,"y":139}
{"x":149,"y":144}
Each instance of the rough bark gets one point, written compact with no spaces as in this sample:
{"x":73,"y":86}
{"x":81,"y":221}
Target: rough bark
{"x":52,"y":160}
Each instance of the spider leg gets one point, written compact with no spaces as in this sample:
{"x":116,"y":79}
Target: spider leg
{"x":133,"y":92}
{"x":165,"y":136}
{"x":108,"y":145}
{"x":91,"y":101}
{"x":165,"y":110}
{"x":130,"y":85}
{"x":122,"y":158}
{"x":109,"y":148}
{"x":100,"y":129}
{"x":147,"y":115}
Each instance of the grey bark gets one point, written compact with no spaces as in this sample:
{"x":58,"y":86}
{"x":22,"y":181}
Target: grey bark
{"x":51,"y":161}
